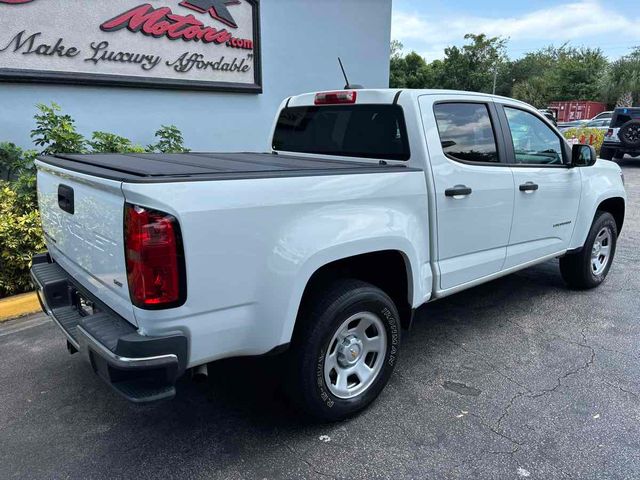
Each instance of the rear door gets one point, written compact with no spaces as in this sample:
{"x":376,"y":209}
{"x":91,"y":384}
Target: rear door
{"x":82,"y":218}
{"x":474,"y":190}
{"x":547,"y":190}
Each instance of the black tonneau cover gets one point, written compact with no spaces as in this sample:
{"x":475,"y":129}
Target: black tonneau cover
{"x":177,"y":167}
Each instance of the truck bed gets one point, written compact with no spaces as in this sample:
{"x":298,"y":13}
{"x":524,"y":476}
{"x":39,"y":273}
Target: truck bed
{"x":181,"y":167}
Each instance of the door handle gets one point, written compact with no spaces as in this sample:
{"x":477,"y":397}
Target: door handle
{"x":528,"y":187}
{"x":66,"y":199}
{"x":458,"y":191}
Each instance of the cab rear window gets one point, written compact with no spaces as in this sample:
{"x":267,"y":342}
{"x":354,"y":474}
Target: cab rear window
{"x":367,"y":131}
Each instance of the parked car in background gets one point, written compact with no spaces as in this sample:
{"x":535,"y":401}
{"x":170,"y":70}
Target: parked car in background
{"x":602,"y":123}
{"x":550,"y":115}
{"x":573,"y":124}
{"x":603,"y":116}
{"x":623,"y":135}
{"x":369,"y":204}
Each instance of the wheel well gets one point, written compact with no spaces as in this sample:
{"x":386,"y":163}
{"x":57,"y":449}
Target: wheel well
{"x":388,"y":270}
{"x":615,"y":206}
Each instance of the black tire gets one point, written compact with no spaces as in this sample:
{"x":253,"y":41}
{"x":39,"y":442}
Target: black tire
{"x":618,"y":155}
{"x":607,"y":153}
{"x":319,"y":320}
{"x":577,"y":269}
{"x":629,"y":134}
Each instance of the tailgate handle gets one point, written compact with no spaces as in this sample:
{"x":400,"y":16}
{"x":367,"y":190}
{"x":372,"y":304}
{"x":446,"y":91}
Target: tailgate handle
{"x":65,"y":199}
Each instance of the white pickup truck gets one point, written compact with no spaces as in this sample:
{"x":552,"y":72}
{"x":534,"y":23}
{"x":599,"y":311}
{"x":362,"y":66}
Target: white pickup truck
{"x":370,"y":204}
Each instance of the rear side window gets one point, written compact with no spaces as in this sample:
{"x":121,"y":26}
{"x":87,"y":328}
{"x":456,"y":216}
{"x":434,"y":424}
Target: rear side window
{"x":367,"y":131}
{"x":466,"y":132}
{"x":622,"y":116}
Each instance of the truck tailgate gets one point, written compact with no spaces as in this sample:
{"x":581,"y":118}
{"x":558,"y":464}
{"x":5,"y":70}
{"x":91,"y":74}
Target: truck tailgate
{"x":82,"y":218}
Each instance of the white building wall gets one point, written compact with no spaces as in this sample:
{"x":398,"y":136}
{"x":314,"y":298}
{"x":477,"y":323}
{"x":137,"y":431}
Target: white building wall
{"x":301,"y":40}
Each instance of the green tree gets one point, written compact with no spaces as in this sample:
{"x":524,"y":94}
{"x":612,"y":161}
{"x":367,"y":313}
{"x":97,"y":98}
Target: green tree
{"x":474,"y":66}
{"x":103,"y":142}
{"x":11,"y":160}
{"x":534,"y":91}
{"x":621,"y":84}
{"x":170,"y":140}
{"x":576,"y":76}
{"x":408,"y":71}
{"x":56,"y":132}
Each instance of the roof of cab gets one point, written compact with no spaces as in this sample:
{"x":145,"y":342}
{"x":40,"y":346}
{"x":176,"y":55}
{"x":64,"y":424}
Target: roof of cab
{"x":388,"y":95}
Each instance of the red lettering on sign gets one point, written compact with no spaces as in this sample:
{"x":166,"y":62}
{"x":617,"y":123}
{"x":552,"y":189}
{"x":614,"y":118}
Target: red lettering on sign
{"x":162,"y":22}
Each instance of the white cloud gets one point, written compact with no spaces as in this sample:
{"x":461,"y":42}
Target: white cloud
{"x":575,"y":22}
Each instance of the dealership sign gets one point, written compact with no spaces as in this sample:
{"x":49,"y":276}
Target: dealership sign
{"x":193,"y":44}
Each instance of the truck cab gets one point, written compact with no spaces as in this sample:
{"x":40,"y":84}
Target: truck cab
{"x":369,"y":204}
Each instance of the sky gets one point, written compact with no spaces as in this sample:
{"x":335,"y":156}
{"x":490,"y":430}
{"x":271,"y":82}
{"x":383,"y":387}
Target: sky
{"x":428,"y":26}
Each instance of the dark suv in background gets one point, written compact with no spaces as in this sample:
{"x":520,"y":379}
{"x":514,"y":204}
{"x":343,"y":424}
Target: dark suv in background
{"x":623,"y":136}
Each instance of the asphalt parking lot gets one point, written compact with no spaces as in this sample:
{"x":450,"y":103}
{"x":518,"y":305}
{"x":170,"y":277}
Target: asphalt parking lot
{"x":519,"y":378}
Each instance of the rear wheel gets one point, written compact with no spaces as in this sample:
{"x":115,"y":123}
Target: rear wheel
{"x":589,"y":267}
{"x":344,"y":350}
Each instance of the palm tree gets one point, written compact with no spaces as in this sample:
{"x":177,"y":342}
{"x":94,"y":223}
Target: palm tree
{"x":622,"y":82}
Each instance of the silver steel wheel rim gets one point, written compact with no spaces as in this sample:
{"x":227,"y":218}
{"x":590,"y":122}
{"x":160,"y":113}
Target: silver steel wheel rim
{"x":601,"y":251}
{"x":355,"y":355}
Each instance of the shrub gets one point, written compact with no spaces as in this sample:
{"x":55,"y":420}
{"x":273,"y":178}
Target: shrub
{"x":20,"y":231}
{"x":171,"y":141}
{"x":11,"y":160}
{"x":20,"y":237}
{"x":585,"y":134}
{"x":56,"y":132}
{"x":103,"y":142}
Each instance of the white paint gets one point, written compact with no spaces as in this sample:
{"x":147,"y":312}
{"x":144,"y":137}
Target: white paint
{"x":251,"y":245}
{"x":324,"y":438}
{"x":523,"y":473}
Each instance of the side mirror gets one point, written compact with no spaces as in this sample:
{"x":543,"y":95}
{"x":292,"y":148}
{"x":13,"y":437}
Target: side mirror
{"x":583,"y":155}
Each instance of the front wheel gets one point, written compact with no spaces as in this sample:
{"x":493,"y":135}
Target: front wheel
{"x":589,"y":267}
{"x":344,"y":350}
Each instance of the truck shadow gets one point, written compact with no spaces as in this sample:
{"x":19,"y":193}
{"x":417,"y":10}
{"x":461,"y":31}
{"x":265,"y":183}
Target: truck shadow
{"x":629,"y":162}
{"x":252,"y":387}
{"x":241,"y":413}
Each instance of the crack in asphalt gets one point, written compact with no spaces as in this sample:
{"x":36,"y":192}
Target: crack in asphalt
{"x":528,"y":393}
{"x":620,"y":388}
{"x":310,"y":464}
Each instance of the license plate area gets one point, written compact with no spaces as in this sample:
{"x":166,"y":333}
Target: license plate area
{"x":84,"y":306}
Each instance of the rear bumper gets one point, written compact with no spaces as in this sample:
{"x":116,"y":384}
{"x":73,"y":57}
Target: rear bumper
{"x":619,"y":146}
{"x":141,"y":369}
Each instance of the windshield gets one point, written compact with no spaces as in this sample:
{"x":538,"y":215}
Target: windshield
{"x":367,"y":131}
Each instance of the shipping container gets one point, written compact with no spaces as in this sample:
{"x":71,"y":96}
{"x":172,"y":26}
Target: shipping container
{"x":569,"y":111}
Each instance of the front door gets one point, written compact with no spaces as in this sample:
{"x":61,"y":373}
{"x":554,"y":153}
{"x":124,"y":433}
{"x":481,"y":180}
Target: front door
{"x":474,"y":190}
{"x":547,"y":190}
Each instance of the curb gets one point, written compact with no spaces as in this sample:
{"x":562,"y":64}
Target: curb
{"x":18,"y":306}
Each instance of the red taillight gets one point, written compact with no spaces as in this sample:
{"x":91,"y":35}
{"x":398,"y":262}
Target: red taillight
{"x":155,"y":259}
{"x":609,"y":133}
{"x":329,"y":98}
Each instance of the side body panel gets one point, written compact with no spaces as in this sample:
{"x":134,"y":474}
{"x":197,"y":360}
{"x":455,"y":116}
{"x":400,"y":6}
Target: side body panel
{"x":599,"y":183}
{"x":543,"y":219}
{"x":472,"y":231}
{"x":252,"y":245}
